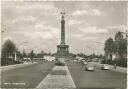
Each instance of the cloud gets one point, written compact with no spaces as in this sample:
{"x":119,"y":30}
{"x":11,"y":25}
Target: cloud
{"x":74,"y":22}
{"x":6,"y":38}
{"x":112,"y":30}
{"x":77,"y":35}
{"x":30,"y":5}
{"x":119,"y":27}
{"x":43,"y":32}
{"x":91,"y":38}
{"x":90,"y":12}
{"x":38,"y":23}
{"x":96,"y":12}
{"x":24,"y":19}
{"x":92,"y":30}
{"x":30,"y":18}
{"x":80,"y":12}
{"x":28,"y":11}
{"x":42,"y":27}
{"x":43,"y":35}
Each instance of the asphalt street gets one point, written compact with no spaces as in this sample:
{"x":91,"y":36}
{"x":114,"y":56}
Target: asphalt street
{"x":30,"y":76}
{"x":25,"y":77}
{"x":96,"y":79}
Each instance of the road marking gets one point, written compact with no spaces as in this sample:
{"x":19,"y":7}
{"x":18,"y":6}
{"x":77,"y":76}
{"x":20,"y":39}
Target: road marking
{"x":57,"y":81}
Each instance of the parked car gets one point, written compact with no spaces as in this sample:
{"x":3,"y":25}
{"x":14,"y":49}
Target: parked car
{"x":75,"y":60}
{"x":105,"y":67}
{"x":78,"y":61}
{"x":89,"y":67}
{"x":85,"y":63}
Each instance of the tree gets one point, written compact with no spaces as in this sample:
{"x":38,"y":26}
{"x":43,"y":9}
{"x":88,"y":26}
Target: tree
{"x":109,"y":45}
{"x":121,"y":45}
{"x":7,"y":53}
{"x":118,"y":47}
{"x":32,"y":54}
{"x":40,"y":55}
{"x":24,"y":54}
{"x":81,"y":55}
{"x":8,"y":49}
{"x":109,"y":49}
{"x":19,"y":55}
{"x":118,"y":37}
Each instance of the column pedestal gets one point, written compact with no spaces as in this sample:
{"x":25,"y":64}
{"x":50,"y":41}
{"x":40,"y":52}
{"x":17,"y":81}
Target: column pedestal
{"x":62,"y":50}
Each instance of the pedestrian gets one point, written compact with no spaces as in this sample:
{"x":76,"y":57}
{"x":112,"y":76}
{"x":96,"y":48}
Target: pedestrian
{"x":114,"y":66}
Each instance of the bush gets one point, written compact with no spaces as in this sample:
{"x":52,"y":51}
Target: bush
{"x":18,"y":62}
{"x":122,"y":62}
{"x":7,"y":61}
{"x":103,"y":61}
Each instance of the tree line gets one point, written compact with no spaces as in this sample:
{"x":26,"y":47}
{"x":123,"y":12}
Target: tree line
{"x":116,"y":50}
{"x":9,"y":51}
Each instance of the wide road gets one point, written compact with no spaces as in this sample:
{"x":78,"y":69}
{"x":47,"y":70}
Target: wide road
{"x":97,"y":79}
{"x":26,"y":77}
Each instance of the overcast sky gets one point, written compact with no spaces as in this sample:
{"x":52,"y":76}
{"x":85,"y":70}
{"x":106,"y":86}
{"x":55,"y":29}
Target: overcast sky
{"x":38,"y":23}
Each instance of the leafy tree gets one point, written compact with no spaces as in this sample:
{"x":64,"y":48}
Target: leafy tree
{"x":81,"y":54}
{"x":118,"y":37}
{"x":121,"y":43}
{"x":7,"y":53}
{"x":8,"y":49}
{"x":121,"y":48}
{"x":24,"y":54}
{"x":32,"y":54}
{"x":40,"y":55}
{"x":118,"y":47}
{"x":109,"y":45}
{"x":19,"y":55}
{"x":109,"y":49}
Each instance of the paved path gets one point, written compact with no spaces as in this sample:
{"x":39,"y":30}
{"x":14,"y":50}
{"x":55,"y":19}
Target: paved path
{"x":57,"y":81}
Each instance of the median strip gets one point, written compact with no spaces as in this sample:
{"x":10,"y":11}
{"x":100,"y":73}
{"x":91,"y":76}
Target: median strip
{"x":57,"y":80}
{"x":58,"y":72}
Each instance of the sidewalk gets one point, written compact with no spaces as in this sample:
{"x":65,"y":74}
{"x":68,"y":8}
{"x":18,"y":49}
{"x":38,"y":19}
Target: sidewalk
{"x":57,"y":81}
{"x":16,"y":66}
{"x":118,"y":69}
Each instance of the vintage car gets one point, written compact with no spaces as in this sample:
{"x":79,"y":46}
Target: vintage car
{"x":89,"y":67}
{"x":105,"y":67}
